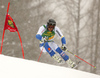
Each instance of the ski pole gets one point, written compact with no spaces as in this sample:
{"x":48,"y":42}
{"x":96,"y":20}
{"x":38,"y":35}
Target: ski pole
{"x":43,"y":47}
{"x":80,"y":58}
{"x":41,"y":52}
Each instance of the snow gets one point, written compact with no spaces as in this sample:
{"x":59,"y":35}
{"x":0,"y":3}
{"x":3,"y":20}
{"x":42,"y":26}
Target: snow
{"x":11,"y":67}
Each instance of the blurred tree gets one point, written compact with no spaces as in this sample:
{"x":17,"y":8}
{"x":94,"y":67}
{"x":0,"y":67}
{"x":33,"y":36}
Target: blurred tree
{"x":97,"y":37}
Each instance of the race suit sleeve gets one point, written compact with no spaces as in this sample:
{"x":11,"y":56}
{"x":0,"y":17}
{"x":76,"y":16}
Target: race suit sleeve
{"x":59,"y":33}
{"x":39,"y":33}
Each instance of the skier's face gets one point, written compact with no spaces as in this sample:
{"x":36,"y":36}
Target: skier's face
{"x":50,"y":28}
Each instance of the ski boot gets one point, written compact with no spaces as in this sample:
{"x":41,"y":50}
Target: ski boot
{"x":58,"y":59}
{"x":71,"y":63}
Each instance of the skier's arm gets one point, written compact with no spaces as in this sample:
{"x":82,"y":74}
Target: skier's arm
{"x":63,"y":40}
{"x":39,"y":33}
{"x":38,"y":36}
{"x":59,"y":33}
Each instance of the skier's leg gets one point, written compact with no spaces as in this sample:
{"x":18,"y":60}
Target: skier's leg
{"x":52,"y":53}
{"x":48,"y":49}
{"x":66,"y":58}
{"x":62,"y":54}
{"x":56,"y":48}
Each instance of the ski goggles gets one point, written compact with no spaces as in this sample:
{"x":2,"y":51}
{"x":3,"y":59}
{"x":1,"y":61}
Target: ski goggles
{"x":51,"y":26}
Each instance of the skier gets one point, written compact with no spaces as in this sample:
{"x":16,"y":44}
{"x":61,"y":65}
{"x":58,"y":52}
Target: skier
{"x":46,"y":35}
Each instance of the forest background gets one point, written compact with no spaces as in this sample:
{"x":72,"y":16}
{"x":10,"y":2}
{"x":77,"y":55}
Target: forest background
{"x":79,"y":21}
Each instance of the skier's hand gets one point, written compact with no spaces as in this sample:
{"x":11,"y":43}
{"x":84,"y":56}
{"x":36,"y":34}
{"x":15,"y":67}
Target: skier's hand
{"x":44,"y":39}
{"x":63,"y":47}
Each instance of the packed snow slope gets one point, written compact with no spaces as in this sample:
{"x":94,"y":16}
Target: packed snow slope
{"x":11,"y":67}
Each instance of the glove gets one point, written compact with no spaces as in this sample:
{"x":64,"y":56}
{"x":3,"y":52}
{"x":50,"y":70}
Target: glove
{"x":63,"y":47}
{"x":44,"y":39}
